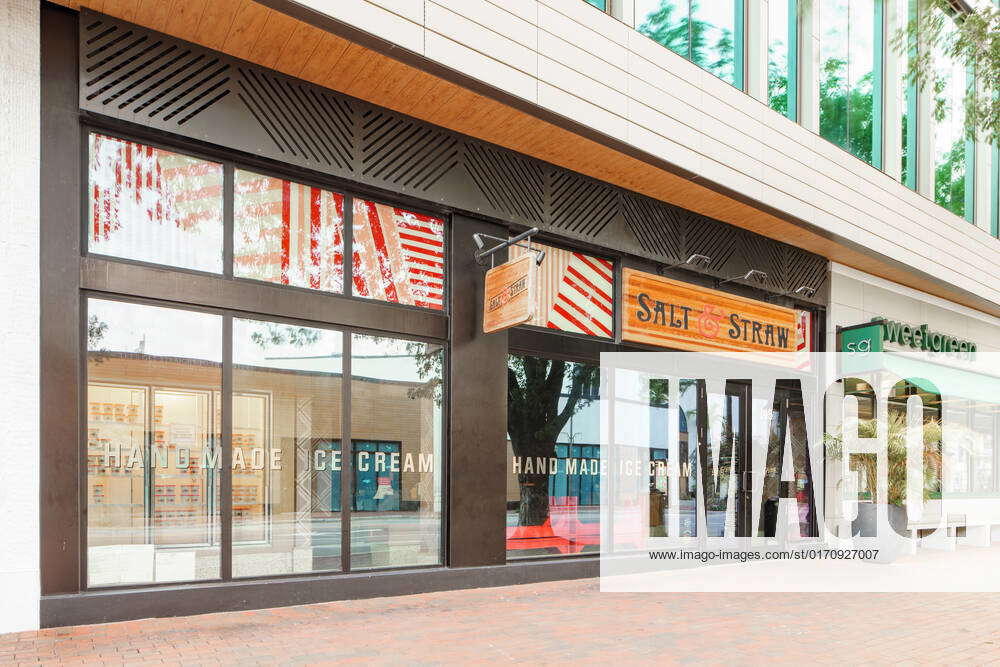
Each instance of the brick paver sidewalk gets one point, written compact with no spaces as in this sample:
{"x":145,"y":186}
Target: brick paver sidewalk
{"x":551,"y":623}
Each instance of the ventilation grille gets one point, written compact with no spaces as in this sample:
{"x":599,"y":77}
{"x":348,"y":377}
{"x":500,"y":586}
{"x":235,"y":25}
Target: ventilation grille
{"x":404,"y":152}
{"x":126,"y":70}
{"x":137,"y":75}
{"x":510,"y":183}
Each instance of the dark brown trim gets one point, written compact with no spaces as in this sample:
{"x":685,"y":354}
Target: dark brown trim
{"x":163,"y":284}
{"x":168,"y":601}
{"x":418,"y":61}
{"x":61,"y":322}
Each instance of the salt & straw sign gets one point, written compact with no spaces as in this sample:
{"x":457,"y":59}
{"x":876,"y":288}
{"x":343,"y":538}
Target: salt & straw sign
{"x":509,"y":294}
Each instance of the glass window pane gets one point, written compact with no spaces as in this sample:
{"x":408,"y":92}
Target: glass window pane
{"x":396,"y":395}
{"x":665,"y":22}
{"x":712,"y":37}
{"x":600,"y":4}
{"x":553,"y":499}
{"x":288,"y":233}
{"x":154,"y":381}
{"x":575,"y":292}
{"x":861,"y":73}
{"x":950,"y":146}
{"x":834,"y":86}
{"x":286,"y":448}
{"x":153,"y":205}
{"x":398,"y":255}
{"x":778,"y":59}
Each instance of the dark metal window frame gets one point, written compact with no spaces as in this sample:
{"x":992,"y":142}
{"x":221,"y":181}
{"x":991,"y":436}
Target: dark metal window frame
{"x":226,"y":390}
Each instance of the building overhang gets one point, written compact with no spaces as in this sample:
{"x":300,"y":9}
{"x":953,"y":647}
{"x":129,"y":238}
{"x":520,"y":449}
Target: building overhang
{"x":302,"y":42}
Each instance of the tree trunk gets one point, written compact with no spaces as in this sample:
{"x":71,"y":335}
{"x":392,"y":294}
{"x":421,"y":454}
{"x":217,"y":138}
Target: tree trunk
{"x":534,"y":510}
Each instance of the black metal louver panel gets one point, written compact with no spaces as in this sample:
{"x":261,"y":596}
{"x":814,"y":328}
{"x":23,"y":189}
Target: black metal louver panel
{"x":402,"y":152}
{"x":144,"y":77}
{"x":509,"y":182}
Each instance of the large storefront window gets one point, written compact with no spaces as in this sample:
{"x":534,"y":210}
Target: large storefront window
{"x":706,"y":32}
{"x":287,"y":402}
{"x":396,"y":429}
{"x":166,"y":390}
{"x":850,"y":74}
{"x":153,"y":432}
{"x":553,"y":471}
{"x":153,"y":205}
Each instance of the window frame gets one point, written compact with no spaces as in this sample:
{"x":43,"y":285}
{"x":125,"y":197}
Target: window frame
{"x":232,"y":161}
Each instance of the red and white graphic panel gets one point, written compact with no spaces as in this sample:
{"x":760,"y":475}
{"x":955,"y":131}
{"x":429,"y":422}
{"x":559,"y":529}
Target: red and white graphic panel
{"x":398,"y":255}
{"x":153,"y":205}
{"x":288,"y":233}
{"x":803,"y":330}
{"x":575,"y":292}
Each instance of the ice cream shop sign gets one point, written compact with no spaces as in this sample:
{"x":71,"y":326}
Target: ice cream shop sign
{"x":668,"y":313}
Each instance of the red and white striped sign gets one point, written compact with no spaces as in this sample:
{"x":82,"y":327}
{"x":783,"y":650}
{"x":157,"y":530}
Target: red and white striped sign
{"x":575,"y":292}
{"x":398,"y":255}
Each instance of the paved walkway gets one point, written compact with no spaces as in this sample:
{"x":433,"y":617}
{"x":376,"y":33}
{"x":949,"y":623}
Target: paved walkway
{"x":551,"y":623}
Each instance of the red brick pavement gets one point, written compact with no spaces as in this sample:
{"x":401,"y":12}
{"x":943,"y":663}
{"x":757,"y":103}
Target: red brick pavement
{"x":551,"y":623}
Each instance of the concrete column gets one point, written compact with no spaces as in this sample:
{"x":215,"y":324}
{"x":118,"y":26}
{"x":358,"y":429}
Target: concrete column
{"x":19,"y":303}
{"x":809,"y":68}
{"x":757,"y":42}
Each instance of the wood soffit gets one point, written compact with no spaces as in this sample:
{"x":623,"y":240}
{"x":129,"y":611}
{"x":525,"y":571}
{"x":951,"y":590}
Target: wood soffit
{"x":260,"y":34}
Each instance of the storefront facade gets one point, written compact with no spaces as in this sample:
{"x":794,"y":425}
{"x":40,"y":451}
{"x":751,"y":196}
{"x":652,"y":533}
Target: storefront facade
{"x":227,"y":350}
{"x":247,"y":362}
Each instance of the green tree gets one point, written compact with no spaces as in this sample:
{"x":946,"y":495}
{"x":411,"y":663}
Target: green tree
{"x":542,"y":395}
{"x":972,"y":38}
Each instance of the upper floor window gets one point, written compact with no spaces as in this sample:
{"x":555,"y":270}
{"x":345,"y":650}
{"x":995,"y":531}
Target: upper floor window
{"x":706,"y":32}
{"x":600,"y":4}
{"x":782,"y":56}
{"x":850,"y":76}
{"x":153,"y":205}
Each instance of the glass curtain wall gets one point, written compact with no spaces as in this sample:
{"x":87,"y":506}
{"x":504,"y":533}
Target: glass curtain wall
{"x":954,"y":152}
{"x":709,"y":33}
{"x":782,"y":57}
{"x":850,"y":105}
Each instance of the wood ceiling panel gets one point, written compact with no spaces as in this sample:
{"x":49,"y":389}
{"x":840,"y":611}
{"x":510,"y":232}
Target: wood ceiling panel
{"x":245,"y":29}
